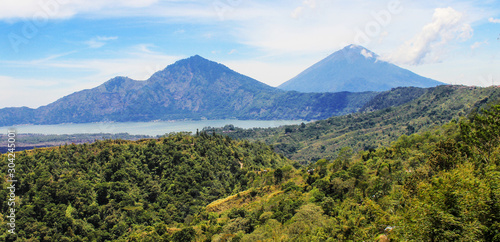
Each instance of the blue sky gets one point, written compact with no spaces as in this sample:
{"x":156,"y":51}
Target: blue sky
{"x":52,"y":48}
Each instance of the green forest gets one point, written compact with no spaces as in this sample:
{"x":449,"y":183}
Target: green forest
{"x":437,"y":185}
{"x":438,"y":182}
{"x":401,"y":111}
{"x":117,"y":189}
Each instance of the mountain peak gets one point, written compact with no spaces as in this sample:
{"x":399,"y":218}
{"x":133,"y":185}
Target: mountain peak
{"x":197,"y":58}
{"x":120,"y":83}
{"x":356,"y":51}
{"x":354,"y":46}
{"x":355,"y":69}
{"x":193,"y":64}
{"x":196,"y":62}
{"x":204,"y":74}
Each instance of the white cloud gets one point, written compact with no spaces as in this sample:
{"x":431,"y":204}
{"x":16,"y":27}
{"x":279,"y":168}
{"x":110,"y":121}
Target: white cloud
{"x":320,"y":27}
{"x":366,"y":53}
{"x":478,"y":44}
{"x":494,"y":20}
{"x":61,"y":9}
{"x":15,"y":9}
{"x":310,"y":3}
{"x":53,"y":57}
{"x":144,"y":49}
{"x":297,"y":12}
{"x":105,"y":38}
{"x":208,"y":35}
{"x":427,"y":46}
{"x":285,"y":32}
{"x":180,"y":31}
{"x":139,"y":64}
{"x":99,"y":41}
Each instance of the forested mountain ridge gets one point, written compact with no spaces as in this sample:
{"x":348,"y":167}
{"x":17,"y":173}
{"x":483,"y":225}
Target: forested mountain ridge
{"x":418,"y":110}
{"x":439,"y":185}
{"x":393,"y":98}
{"x":355,"y":69}
{"x":193,"y":88}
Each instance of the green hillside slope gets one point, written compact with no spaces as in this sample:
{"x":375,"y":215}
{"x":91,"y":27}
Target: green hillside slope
{"x":438,"y":185}
{"x":101,"y":191}
{"x":418,"y":110}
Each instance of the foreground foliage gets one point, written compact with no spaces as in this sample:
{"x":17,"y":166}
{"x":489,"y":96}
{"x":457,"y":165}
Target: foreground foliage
{"x":105,"y":190}
{"x":439,"y":185}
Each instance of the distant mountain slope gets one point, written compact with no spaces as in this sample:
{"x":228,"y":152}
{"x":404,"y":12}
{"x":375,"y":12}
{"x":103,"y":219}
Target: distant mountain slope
{"x":355,"y":69}
{"x":193,"y":88}
{"x":393,"y":98}
{"x":368,"y":130}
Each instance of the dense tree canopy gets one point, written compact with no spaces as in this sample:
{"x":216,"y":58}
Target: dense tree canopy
{"x":442,"y":184}
{"x":109,"y":189}
{"x":439,"y":185}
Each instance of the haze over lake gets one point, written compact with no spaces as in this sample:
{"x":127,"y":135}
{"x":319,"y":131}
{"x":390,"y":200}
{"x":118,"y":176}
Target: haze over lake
{"x":146,"y":128}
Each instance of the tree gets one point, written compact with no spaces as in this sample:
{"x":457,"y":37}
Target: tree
{"x":278,"y":175}
{"x":483,"y":130}
{"x":185,"y":235}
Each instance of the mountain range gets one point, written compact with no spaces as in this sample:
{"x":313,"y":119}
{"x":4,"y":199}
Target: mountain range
{"x":196,"y":88}
{"x":192,"y":88}
{"x":355,"y":69}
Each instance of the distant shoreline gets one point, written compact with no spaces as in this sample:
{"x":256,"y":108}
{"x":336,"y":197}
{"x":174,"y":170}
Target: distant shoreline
{"x":3,"y":149}
{"x":152,"y":128}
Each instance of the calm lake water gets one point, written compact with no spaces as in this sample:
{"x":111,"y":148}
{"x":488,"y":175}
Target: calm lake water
{"x":146,"y":128}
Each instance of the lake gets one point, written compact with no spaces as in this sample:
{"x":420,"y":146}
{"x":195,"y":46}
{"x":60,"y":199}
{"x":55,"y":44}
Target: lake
{"x":146,"y":128}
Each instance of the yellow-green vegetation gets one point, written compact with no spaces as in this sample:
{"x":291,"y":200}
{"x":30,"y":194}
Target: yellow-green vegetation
{"x":117,"y":190}
{"x":438,"y":185}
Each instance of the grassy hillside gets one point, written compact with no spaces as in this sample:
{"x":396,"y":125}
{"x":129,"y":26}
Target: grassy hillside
{"x":419,"y":110}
